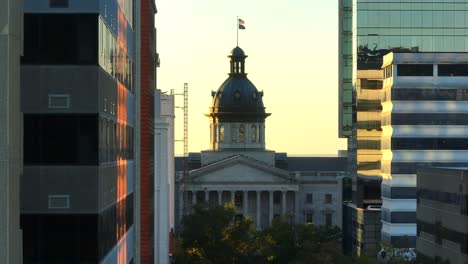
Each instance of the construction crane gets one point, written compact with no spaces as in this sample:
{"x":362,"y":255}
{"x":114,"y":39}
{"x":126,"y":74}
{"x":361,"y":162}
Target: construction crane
{"x":185,"y":139}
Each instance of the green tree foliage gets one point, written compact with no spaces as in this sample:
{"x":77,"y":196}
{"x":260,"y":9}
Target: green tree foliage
{"x":213,"y":235}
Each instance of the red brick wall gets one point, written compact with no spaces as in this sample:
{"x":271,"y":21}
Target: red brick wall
{"x":146,"y":132}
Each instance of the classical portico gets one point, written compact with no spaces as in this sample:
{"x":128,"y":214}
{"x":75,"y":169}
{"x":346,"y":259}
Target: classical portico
{"x":258,"y":190}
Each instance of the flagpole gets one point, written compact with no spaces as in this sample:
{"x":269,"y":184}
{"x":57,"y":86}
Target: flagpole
{"x":237,"y":43}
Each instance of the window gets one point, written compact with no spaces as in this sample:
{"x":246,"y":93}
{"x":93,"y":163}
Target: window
{"x":238,"y":199}
{"x":453,"y":69}
{"x":234,"y":133}
{"x":253,"y":133}
{"x":60,"y":39}
{"x":309,"y":217}
{"x":276,"y":197}
{"x":415,"y":70}
{"x":241,"y":134}
{"x":61,"y":139}
{"x":221,"y":133}
{"x":309,"y":198}
{"x":328,"y":198}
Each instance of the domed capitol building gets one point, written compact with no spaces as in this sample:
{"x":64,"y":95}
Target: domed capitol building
{"x":237,"y":168}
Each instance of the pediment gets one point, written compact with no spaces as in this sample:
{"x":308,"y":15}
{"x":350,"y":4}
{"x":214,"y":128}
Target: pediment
{"x":240,"y":169}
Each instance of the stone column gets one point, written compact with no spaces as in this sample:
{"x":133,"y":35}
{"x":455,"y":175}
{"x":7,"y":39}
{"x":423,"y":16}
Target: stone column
{"x":270,"y":218}
{"x":259,"y":216}
{"x":283,"y":203}
{"x":296,"y":207}
{"x":246,"y":203}
{"x":220,"y":198}
{"x":233,"y":193}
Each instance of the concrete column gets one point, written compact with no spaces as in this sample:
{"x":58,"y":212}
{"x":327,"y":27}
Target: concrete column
{"x":283,"y":203}
{"x":259,"y":216}
{"x":233,"y":193}
{"x":220,"y":198}
{"x":270,"y":209}
{"x":246,"y":203}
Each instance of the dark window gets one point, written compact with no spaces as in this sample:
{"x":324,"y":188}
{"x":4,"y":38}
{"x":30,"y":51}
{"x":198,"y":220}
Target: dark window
{"x":415,"y":69}
{"x":60,"y":39}
{"x":453,"y":69}
{"x":58,"y":3}
{"x":309,"y":198}
{"x":60,"y":238}
{"x":429,"y":143}
{"x":411,"y":167}
{"x":430,"y":94}
{"x":238,"y":199}
{"x":276,"y":197}
{"x":429,"y":119}
{"x":60,"y":139}
{"x":328,"y":219}
{"x":328,"y":198}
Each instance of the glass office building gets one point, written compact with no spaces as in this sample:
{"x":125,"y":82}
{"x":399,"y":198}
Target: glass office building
{"x":368,"y":30}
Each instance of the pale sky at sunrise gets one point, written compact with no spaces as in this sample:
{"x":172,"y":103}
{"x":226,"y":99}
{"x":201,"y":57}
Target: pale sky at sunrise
{"x":293,"y":57}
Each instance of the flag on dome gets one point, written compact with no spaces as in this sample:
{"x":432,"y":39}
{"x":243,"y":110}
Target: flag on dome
{"x":241,"y":24}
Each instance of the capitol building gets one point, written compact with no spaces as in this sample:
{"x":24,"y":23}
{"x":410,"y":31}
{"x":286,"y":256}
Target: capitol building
{"x":237,"y":167}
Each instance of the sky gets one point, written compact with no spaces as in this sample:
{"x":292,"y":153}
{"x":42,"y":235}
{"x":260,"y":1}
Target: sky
{"x":293,"y":57}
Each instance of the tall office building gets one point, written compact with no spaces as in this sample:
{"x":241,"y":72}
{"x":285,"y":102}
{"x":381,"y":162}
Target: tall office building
{"x":424,"y":121}
{"x":442,"y":213}
{"x":367,"y":31}
{"x":80,"y":81}
{"x":11,"y":28}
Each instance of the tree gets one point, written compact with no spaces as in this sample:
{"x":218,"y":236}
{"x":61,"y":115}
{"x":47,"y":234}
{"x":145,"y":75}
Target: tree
{"x":214,"y":235}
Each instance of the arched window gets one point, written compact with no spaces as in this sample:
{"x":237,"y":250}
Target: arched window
{"x":234,"y":133}
{"x":241,"y":134}
{"x":221,"y":133}
{"x":253,"y":134}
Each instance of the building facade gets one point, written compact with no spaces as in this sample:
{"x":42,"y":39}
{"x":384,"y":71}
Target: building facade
{"x":238,"y":168}
{"x":78,"y":86}
{"x":164,"y":176}
{"x":11,"y":39}
{"x":367,"y":31}
{"x":442,"y":214}
{"x":423,"y":124}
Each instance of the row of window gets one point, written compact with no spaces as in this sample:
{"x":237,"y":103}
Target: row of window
{"x":115,"y":141}
{"x":429,"y":143}
{"x":238,"y":133}
{"x":310,"y":198}
{"x":72,"y":39}
{"x":113,"y":223}
{"x":309,"y":218}
{"x":426,"y":119}
{"x":75,"y":139}
{"x":441,"y":232}
{"x":430,"y":94}
{"x":412,"y":167}
{"x":428,"y":70}
{"x":113,"y":56}
{"x":445,"y":197}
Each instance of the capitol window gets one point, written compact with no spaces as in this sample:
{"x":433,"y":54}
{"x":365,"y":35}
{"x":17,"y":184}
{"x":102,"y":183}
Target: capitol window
{"x":221,"y":133}
{"x":241,"y":134}
{"x":253,"y":133}
{"x":234,"y":133}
